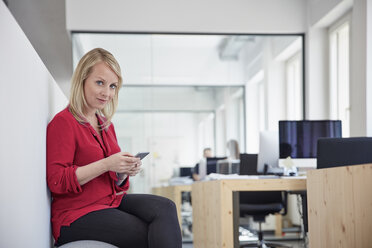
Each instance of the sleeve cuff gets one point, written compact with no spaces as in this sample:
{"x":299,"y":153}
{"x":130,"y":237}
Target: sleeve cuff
{"x":74,"y":183}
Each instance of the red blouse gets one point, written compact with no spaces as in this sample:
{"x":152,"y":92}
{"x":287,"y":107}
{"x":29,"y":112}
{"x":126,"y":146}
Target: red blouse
{"x":70,"y":145}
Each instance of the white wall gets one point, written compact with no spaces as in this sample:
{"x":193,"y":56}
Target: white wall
{"x":29,"y":97}
{"x":320,"y":8}
{"x":221,"y":16}
{"x":44,"y":23}
{"x":324,"y":12}
{"x":316,"y":68}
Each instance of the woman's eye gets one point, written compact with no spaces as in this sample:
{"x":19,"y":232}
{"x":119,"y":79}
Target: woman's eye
{"x":99,"y":82}
{"x":113,"y":86}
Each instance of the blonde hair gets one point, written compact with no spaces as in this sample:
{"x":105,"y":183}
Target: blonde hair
{"x":233,"y":147}
{"x":81,"y":73}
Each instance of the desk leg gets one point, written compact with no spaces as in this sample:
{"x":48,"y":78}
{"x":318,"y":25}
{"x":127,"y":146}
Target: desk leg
{"x":236,"y":218}
{"x":212,"y":215}
{"x":304,"y":212}
{"x":278,"y":225}
{"x":226,"y":216}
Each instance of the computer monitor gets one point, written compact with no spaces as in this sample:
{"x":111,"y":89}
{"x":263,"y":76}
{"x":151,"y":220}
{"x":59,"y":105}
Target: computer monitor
{"x":268,"y":155}
{"x":186,"y":171}
{"x":298,"y":139}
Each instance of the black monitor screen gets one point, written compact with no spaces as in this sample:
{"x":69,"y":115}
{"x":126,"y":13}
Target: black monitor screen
{"x":186,"y":171}
{"x":298,"y":139}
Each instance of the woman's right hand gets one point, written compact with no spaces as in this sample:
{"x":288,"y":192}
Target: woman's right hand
{"x":121,"y":162}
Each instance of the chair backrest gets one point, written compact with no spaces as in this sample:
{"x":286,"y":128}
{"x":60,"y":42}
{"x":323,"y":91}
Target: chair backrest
{"x":260,"y":197}
{"x":248,"y":166}
{"x":334,"y":152}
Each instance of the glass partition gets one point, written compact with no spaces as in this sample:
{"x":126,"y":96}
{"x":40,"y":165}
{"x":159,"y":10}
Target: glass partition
{"x":185,"y":92}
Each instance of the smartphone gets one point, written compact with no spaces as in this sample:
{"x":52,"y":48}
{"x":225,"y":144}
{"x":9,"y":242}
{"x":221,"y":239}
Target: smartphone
{"x":141,"y":155}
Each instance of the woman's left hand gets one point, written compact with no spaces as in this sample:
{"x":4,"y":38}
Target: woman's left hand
{"x":136,"y":169}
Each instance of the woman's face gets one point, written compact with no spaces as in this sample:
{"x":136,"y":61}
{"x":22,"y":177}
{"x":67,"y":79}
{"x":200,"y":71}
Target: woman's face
{"x":100,"y":87}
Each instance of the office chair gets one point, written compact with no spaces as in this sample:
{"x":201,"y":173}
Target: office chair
{"x":259,"y":204}
{"x":333,"y":152}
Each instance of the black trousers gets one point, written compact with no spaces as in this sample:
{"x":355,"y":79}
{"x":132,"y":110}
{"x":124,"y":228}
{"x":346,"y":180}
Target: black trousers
{"x":140,"y":221}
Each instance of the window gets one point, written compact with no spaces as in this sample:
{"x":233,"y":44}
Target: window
{"x":241,"y":125}
{"x":221,"y":131}
{"x":257,"y":85}
{"x":294,"y":87}
{"x":261,"y":106}
{"x":237,"y":131}
{"x":339,"y":74}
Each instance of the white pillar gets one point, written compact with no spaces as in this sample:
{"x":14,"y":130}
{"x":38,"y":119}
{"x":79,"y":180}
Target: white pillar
{"x":360,"y":76}
{"x":369,"y":70}
{"x":317,"y":87}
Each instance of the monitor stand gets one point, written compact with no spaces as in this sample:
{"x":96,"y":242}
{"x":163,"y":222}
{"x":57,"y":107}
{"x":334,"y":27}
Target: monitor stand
{"x":300,"y":163}
{"x":269,"y":170}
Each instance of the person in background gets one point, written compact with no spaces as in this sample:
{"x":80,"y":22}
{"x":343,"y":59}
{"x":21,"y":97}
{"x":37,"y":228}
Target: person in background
{"x":88,"y":175}
{"x":200,"y":168}
{"x":233,"y":151}
{"x":207,"y":152}
{"x":230,"y":165}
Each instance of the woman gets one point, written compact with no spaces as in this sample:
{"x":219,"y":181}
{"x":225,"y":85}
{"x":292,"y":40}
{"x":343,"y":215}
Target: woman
{"x":233,"y":149}
{"x":88,"y":175}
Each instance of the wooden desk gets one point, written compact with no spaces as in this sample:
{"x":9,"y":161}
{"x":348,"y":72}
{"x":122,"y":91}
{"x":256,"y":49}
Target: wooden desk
{"x":173,"y":193}
{"x":340,"y":206}
{"x":212,"y":204}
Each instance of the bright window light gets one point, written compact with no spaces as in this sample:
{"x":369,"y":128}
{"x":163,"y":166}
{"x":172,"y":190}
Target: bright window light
{"x":294,"y":87}
{"x":339,"y":75}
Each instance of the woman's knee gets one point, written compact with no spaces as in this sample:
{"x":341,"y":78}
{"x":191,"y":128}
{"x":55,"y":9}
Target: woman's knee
{"x":165,"y":205}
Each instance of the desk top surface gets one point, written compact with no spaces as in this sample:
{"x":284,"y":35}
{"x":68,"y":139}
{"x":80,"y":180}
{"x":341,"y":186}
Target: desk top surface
{"x":248,"y":184}
{"x":258,"y":184}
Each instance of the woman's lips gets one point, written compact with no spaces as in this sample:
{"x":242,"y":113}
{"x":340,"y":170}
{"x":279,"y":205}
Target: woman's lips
{"x":102,"y":101}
